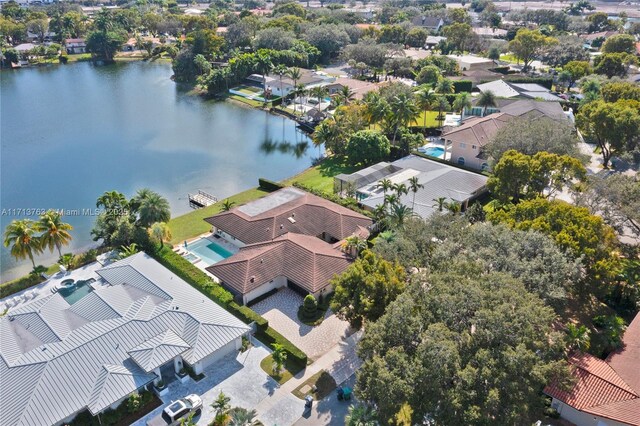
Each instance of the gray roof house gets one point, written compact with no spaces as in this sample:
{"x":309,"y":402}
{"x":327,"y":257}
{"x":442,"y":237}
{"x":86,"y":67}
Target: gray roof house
{"x":505,"y":89}
{"x":438,"y":180}
{"x":138,"y":323}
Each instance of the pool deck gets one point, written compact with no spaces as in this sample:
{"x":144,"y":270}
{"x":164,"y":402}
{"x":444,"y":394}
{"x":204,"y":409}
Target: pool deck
{"x":209,"y":236}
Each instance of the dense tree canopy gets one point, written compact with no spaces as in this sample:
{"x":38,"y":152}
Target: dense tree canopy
{"x":529,"y":44}
{"x":367,"y":147}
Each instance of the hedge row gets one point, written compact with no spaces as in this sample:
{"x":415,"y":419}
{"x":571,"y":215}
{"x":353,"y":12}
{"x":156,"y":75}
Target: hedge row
{"x":270,"y":336}
{"x":463,"y":86}
{"x":191,"y":274}
{"x":349,"y":203}
{"x":269,"y":185}
{"x":22,"y":283}
{"x":248,"y":315}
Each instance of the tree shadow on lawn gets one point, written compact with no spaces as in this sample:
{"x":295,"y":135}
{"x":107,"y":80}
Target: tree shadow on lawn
{"x":333,"y":166}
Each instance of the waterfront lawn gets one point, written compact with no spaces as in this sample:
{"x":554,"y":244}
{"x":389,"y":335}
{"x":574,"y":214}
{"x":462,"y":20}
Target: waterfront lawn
{"x":79,"y":57}
{"x":192,"y":224}
{"x":320,"y":177}
{"x":250,"y":102}
{"x":432,"y":121}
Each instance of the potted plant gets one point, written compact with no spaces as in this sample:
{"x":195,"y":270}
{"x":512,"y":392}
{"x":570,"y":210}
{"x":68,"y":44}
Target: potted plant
{"x":182,"y":375}
{"x":161,"y":388}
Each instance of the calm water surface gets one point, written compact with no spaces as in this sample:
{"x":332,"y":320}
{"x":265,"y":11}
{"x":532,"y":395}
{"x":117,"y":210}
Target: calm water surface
{"x":69,"y":133}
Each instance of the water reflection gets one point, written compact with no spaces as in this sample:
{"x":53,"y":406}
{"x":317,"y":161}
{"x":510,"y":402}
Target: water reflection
{"x":298,"y":150}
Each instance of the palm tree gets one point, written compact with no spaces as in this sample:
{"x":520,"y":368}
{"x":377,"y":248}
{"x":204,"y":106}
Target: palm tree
{"x":404,"y":112}
{"x":323,"y":134}
{"x":66,"y":260}
{"x":265,"y":66}
{"x":221,"y":404}
{"x":487,"y":99}
{"x":453,"y":207}
{"x":279,"y":357}
{"x":441,"y":202}
{"x":151,"y":207}
{"x":414,"y":187}
{"x":243,"y":417}
{"x":442,"y":104}
{"x":375,"y":107}
{"x":299,"y":91}
{"x":391,"y":200}
{"x":400,"y":189}
{"x":399,"y":215}
{"x":126,"y":251}
{"x":353,"y":245}
{"x":227,"y":205}
{"x":54,"y":231}
{"x":425,"y":99}
{"x":160,"y":232}
{"x":445,"y":86}
{"x":462,"y":101}
{"x":346,"y":95}
{"x":281,"y":71}
{"x":112,"y":201}
{"x":361,"y":415}
{"x":387,"y":236}
{"x":319,"y":92}
{"x":294,"y":74}
{"x":384,"y":184}
{"x":20,"y":235}
{"x":578,"y":337}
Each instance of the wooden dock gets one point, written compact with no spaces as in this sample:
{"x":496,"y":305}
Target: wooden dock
{"x":201,"y":199}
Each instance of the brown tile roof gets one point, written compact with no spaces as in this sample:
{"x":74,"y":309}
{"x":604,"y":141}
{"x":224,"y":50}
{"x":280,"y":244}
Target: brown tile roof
{"x":478,"y":130}
{"x":303,"y":213}
{"x":306,"y":260}
{"x":611,"y":388}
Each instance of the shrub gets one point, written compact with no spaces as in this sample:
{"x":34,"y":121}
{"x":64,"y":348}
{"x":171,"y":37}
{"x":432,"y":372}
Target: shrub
{"x":269,"y":185}
{"x":552,"y":413}
{"x":134,"y":402}
{"x":463,"y":86}
{"x":349,"y":203}
{"x":248,"y":315}
{"x":270,"y":336}
{"x":309,"y":306}
{"x":63,"y":59}
{"x":19,"y":284}
{"x":501,"y":70}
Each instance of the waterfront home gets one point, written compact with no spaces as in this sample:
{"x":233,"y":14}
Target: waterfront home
{"x":90,"y":346}
{"x":288,"y":238}
{"x":438,"y":180}
{"x":605,"y":392}
{"x":75,"y":45}
{"x":358,"y":87}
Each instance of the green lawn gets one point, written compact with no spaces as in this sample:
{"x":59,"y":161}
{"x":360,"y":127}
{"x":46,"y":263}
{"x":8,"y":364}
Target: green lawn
{"x":249,"y":90}
{"x":79,"y":57}
{"x":192,"y":224}
{"x":321,"y":176}
{"x":249,"y":102}
{"x":431,"y":119}
{"x":291,"y":368}
{"x":509,"y":58}
{"x":324,"y":383}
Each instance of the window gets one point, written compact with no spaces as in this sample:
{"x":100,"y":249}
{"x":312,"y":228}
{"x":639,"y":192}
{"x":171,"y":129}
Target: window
{"x":484,"y":166}
{"x":463,"y":145}
{"x":461,"y":161}
{"x":474,"y":147}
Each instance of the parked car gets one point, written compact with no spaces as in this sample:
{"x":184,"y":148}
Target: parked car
{"x":177,"y":411}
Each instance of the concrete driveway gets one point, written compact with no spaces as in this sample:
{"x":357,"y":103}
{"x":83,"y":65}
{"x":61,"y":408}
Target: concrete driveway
{"x":281,"y":310}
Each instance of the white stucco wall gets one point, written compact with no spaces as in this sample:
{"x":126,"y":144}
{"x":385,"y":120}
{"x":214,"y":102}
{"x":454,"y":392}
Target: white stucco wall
{"x":199,"y":366}
{"x":580,"y":418}
{"x":264,"y":288}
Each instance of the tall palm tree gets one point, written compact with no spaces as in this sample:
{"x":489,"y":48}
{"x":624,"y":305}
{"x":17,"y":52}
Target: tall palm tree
{"x":55,"y":233}
{"x":221,"y":404}
{"x":400,"y":214}
{"x":323,"y":134}
{"x":112,"y":201}
{"x":151,"y":207}
{"x":265,"y":66}
{"x":160,"y":232}
{"x":453,"y":207}
{"x":442,"y":104}
{"x":414,"y":187}
{"x":462,"y":101}
{"x":294,"y":74}
{"x":21,"y":236}
{"x":404,"y":112}
{"x":346,"y":95}
{"x":445,"y":86}
{"x":441,"y":202}
{"x":400,"y":189}
{"x":376,"y":107}
{"x":487,"y":99}
{"x":319,"y":92}
{"x":281,"y":71}
{"x":299,"y":91}
{"x":425,"y":100}
{"x":384,"y":184}
{"x":391,"y":200}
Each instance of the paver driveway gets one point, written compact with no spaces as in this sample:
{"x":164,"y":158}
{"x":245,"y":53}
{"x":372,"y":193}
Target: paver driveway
{"x":281,"y":310}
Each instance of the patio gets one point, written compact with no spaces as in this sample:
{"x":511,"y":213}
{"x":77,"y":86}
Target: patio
{"x":281,"y":310}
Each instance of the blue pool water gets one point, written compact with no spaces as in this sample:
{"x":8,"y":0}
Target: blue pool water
{"x":434,"y":151}
{"x":75,"y":292}
{"x":208,"y":251}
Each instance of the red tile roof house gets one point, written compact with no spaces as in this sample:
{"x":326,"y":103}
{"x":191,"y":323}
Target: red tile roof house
{"x":288,"y":238}
{"x":606,"y":393}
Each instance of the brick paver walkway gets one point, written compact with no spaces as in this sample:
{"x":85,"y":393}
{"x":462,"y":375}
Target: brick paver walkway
{"x":281,"y":310}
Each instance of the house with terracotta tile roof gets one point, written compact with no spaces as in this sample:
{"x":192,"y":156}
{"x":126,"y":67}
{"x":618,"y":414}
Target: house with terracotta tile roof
{"x":605,"y":392}
{"x":288,"y":238}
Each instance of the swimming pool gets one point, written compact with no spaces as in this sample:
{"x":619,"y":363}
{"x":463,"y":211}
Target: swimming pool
{"x":208,"y":251}
{"x":76,"y":291}
{"x":434,"y":151}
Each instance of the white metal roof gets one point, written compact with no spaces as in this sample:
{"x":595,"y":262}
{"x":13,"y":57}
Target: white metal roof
{"x":57,"y":359}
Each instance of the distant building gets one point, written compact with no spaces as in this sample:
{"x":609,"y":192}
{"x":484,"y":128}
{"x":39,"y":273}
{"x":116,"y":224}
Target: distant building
{"x":487,"y":32}
{"x":288,"y":238}
{"x":75,"y":45}
{"x":432,"y":41}
{"x":605,"y":392}
{"x":439,"y":181}
{"x":431,"y":23}
{"x":471,"y":62}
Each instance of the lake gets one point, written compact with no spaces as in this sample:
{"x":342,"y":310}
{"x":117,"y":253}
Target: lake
{"x":69,"y":133}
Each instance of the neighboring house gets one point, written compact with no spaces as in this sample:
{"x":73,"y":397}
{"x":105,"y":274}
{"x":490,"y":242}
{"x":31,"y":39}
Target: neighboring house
{"x":471,"y":62}
{"x":431,"y":23}
{"x":439,"y":181}
{"x":606,"y":393}
{"x":477,"y":76}
{"x":595,"y":40}
{"x":359,"y":87}
{"x":466,"y":141}
{"x":24,"y":48}
{"x":287,"y":238}
{"x":75,"y":45}
{"x":272,"y":83}
{"x":284,"y":86}
{"x":432,"y":41}
{"x":487,"y":32}
{"x":140,"y":323}
{"x":505,"y":89}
